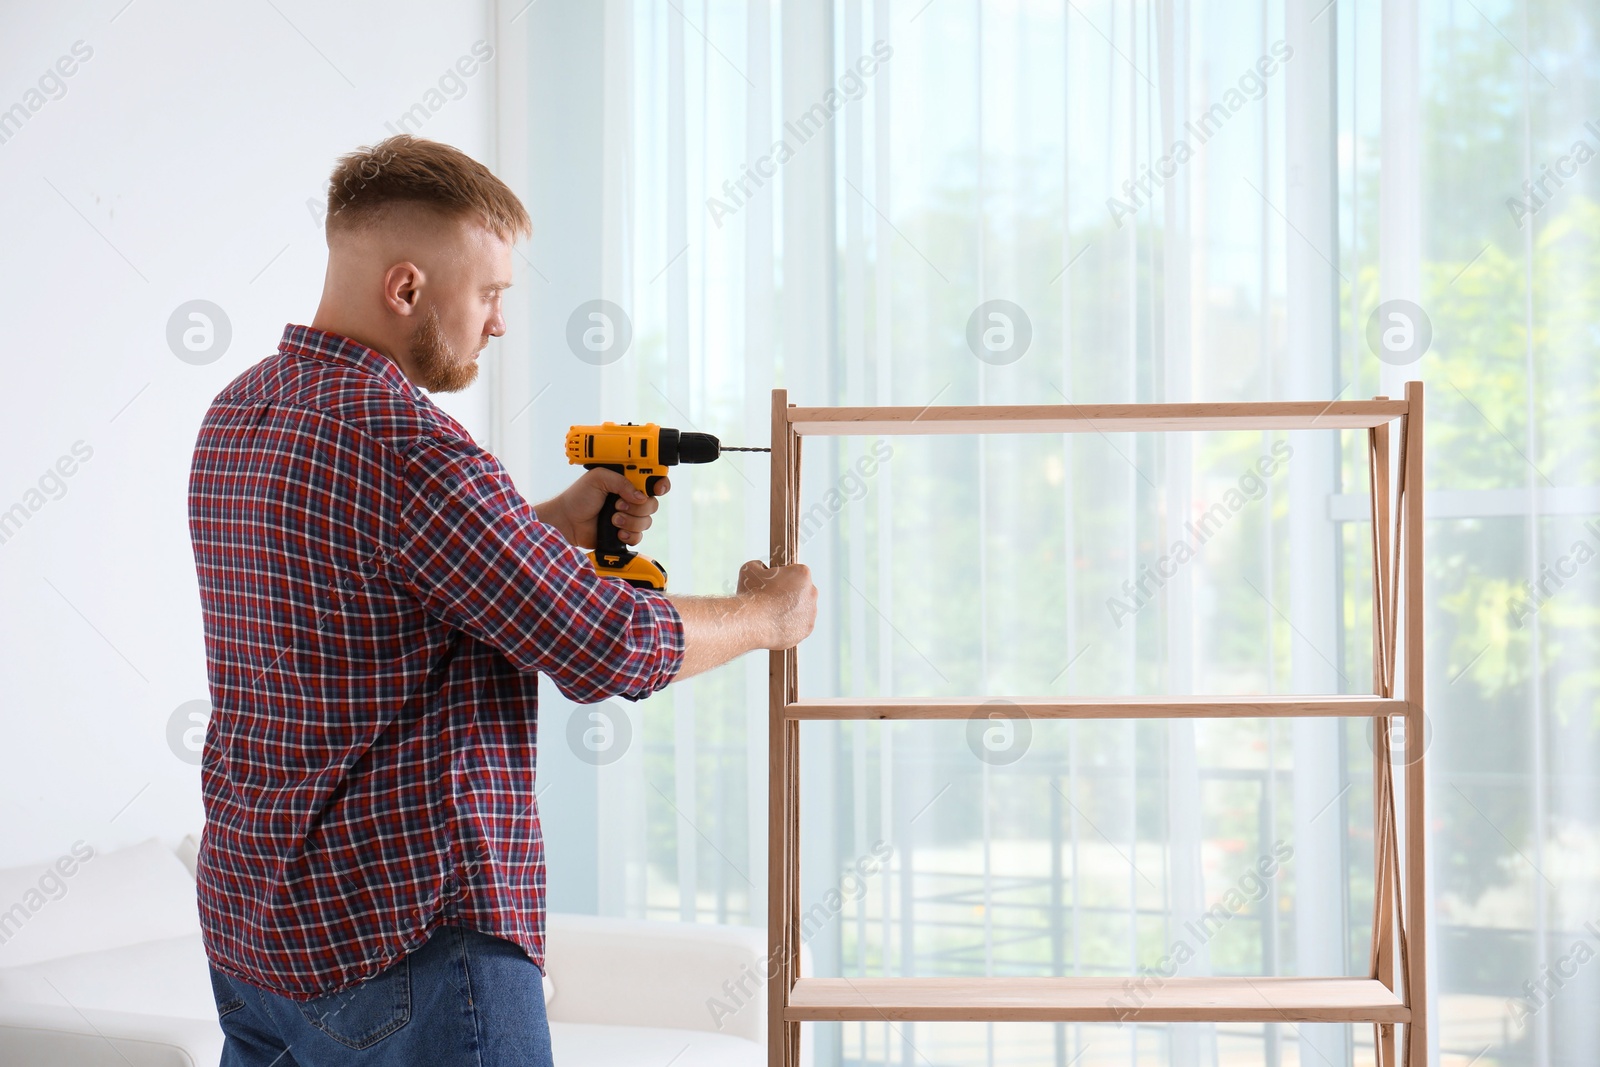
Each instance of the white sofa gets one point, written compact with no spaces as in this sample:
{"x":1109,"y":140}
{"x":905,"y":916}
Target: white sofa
{"x":105,"y":967}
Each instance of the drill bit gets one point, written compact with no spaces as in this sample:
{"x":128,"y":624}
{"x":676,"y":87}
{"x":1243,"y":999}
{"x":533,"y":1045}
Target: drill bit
{"x":741,"y":448}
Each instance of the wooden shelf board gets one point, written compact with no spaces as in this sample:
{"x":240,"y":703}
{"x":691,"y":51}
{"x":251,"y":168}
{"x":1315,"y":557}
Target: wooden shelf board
{"x":1095,"y":707}
{"x":1146,"y":1000}
{"x":1095,"y":418}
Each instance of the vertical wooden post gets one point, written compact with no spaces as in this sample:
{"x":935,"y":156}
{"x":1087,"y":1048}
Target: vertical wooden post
{"x":791,"y":919}
{"x":1416,"y":931}
{"x":1384,"y":875}
{"x":1382,"y":519}
{"x":1392,"y":603}
{"x":780,"y":963}
{"x":792,"y":742}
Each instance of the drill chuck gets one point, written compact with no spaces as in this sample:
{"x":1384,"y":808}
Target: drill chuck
{"x":687,"y":446}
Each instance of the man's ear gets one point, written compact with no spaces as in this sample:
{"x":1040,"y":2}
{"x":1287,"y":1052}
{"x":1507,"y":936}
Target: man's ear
{"x":402,"y":287}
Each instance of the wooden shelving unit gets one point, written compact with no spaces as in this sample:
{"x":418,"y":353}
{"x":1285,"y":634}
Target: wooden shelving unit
{"x":1394,"y":992}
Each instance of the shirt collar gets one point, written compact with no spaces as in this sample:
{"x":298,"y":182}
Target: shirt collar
{"x":337,"y":348}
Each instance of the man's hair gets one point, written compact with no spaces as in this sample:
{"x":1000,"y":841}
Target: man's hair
{"x":407,"y":169}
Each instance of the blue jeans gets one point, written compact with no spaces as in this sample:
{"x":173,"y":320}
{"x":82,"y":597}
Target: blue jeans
{"x":462,"y":998}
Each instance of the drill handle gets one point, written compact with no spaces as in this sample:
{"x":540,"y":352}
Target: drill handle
{"x":608,"y":546}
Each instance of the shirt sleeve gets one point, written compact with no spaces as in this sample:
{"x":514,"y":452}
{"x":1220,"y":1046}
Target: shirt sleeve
{"x":476,"y":556}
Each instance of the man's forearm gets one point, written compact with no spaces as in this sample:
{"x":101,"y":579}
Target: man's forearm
{"x":717,"y":629}
{"x":552,"y":513}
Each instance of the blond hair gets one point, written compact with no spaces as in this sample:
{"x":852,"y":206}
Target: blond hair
{"x":407,"y":169}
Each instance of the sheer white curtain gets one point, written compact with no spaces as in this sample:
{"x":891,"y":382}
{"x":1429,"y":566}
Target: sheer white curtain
{"x":617,"y":120}
{"x":688,"y":90}
{"x":1120,"y":175}
{"x":910,"y":203}
{"x":1463,"y":193}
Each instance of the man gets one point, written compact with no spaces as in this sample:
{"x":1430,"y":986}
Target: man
{"x":379,"y":603}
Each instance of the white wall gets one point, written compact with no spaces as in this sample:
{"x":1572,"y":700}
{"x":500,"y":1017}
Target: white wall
{"x":177,"y":165}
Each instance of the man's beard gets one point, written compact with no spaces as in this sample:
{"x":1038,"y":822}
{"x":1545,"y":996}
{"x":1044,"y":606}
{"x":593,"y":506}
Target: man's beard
{"x":439,"y":369}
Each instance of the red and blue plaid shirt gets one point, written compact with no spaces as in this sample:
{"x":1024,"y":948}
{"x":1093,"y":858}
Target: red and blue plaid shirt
{"x":379,"y":603}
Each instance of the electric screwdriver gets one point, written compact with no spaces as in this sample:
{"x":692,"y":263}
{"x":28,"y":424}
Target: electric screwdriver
{"x":641,"y":454}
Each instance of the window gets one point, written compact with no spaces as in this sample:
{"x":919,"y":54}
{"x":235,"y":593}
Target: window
{"x":916,"y":203}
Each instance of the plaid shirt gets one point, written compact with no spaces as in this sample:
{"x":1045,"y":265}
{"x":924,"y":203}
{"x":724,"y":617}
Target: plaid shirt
{"x":379,"y":603}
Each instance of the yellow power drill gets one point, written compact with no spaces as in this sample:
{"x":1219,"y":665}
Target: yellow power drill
{"x":641,"y":454}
